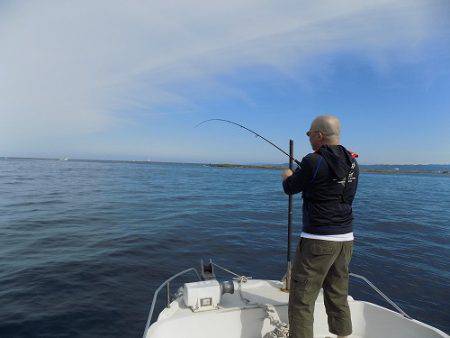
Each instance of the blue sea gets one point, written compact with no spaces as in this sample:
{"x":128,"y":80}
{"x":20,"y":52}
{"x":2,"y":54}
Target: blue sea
{"x":84,"y":245}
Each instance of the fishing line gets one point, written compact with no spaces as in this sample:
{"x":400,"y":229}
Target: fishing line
{"x":254,"y":133}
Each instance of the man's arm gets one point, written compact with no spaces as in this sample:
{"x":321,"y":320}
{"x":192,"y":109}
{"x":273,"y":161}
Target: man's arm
{"x":295,"y":182}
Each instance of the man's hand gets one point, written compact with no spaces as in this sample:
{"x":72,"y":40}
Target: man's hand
{"x":286,"y":173}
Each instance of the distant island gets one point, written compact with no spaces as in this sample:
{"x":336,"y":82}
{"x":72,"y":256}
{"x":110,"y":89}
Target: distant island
{"x":430,"y":169}
{"x":371,"y":169}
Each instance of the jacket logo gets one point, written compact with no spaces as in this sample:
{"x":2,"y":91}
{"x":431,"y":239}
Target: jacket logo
{"x":350,"y":177}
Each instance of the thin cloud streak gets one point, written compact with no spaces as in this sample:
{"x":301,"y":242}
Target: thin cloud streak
{"x":71,"y":69}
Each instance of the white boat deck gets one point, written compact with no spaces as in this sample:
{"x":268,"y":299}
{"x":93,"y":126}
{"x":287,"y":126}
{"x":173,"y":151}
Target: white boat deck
{"x":241,"y":316}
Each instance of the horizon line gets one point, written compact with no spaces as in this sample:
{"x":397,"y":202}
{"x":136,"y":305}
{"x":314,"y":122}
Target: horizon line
{"x":187,"y":162}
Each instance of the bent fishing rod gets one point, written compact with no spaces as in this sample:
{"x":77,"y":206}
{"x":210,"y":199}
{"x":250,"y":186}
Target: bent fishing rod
{"x":254,"y":133}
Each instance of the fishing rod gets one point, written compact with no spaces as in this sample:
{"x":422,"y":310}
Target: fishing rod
{"x":254,"y":133}
{"x":292,"y":159}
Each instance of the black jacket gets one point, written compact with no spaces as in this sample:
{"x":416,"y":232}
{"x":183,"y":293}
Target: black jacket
{"x":328,"y":179}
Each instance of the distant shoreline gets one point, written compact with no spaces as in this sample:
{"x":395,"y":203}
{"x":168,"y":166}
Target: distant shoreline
{"x":362,"y":169}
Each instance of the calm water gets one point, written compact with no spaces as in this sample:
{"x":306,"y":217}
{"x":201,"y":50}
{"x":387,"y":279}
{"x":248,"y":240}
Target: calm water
{"x":83,"y":245}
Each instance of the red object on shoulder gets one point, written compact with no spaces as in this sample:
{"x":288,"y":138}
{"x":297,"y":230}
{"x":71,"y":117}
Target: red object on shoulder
{"x":354,"y":155}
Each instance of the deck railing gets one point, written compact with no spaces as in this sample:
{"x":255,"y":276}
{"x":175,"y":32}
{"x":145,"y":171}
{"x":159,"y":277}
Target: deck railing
{"x":386,"y":298}
{"x":167,"y":285}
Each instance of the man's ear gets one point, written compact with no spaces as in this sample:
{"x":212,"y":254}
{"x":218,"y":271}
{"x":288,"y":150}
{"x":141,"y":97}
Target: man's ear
{"x":321,"y":136}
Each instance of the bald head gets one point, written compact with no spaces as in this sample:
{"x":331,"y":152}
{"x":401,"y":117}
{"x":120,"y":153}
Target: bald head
{"x":329,"y":126}
{"x":325,"y":129}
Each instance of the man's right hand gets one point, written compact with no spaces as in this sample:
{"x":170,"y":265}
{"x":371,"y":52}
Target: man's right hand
{"x":286,"y":174}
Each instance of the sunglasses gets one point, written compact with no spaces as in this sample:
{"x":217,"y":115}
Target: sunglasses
{"x":309,"y":132}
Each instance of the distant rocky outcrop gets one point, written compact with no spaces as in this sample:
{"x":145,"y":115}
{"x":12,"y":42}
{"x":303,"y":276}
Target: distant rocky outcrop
{"x":363,"y":168}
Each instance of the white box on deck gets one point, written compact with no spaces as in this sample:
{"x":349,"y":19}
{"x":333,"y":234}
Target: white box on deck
{"x":202,"y":296}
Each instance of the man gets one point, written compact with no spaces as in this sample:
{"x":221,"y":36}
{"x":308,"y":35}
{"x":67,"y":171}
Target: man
{"x":328,"y":178}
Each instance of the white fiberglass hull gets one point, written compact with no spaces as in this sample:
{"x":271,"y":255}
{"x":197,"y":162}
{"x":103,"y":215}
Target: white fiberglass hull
{"x":241,"y":315}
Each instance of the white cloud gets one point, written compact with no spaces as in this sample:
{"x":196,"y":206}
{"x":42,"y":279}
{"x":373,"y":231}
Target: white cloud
{"x":67,"y":68}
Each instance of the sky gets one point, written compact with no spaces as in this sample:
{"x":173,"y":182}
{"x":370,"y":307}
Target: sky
{"x":131,"y":79}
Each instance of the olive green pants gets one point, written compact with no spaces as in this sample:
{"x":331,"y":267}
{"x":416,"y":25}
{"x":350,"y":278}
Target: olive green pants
{"x":320,"y":264}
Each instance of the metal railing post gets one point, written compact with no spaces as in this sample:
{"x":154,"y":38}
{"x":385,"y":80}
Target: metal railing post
{"x":168,"y":294}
